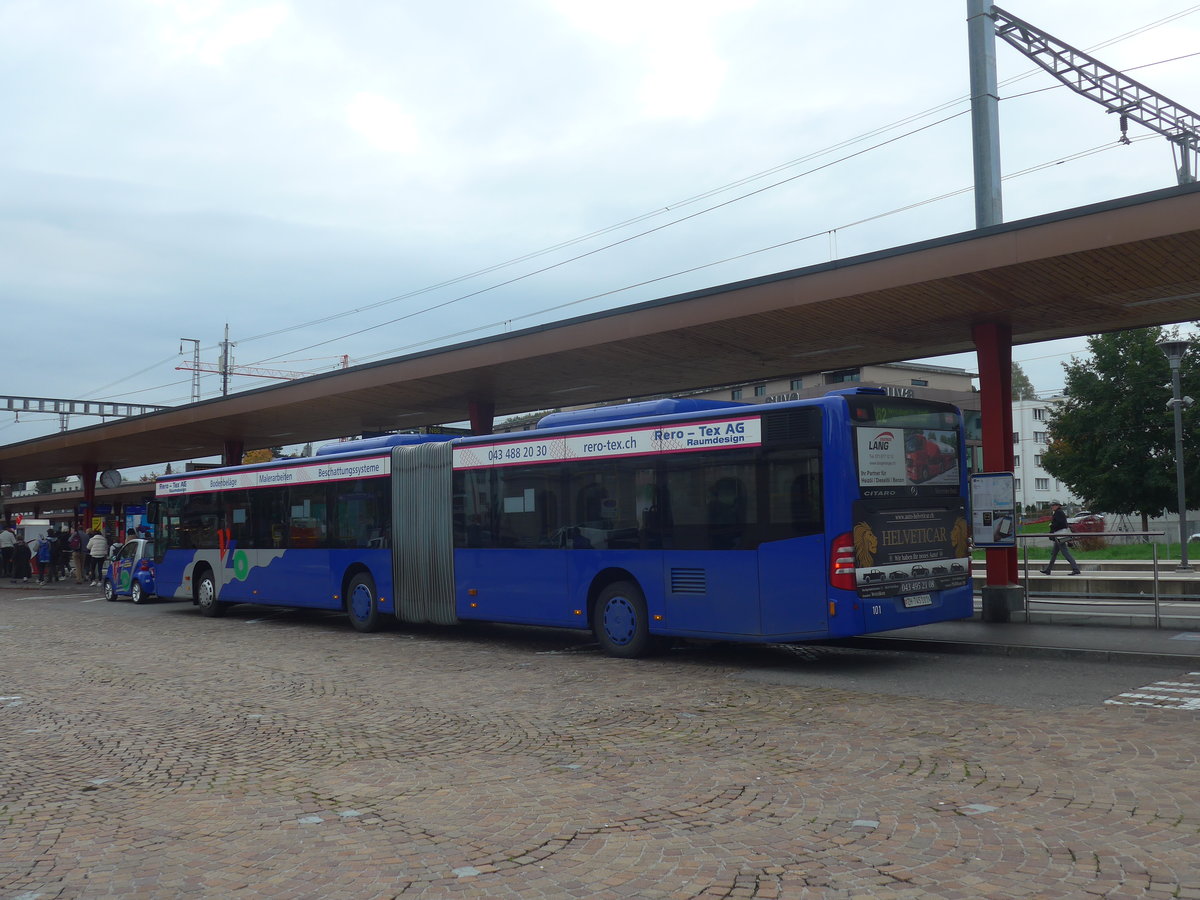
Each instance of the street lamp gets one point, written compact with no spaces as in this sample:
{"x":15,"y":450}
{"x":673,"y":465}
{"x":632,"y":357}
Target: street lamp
{"x":1174,"y":350}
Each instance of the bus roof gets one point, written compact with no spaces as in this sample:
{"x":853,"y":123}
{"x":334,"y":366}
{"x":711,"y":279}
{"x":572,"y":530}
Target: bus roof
{"x":643,"y":409}
{"x":382,"y":442}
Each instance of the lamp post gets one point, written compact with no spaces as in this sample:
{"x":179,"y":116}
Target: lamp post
{"x":1174,"y":350}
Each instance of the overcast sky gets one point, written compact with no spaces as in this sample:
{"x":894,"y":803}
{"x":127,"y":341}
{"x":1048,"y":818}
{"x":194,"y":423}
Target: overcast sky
{"x":345,"y":178}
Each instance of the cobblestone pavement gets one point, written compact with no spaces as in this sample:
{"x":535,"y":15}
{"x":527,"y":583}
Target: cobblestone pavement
{"x":148,"y":752}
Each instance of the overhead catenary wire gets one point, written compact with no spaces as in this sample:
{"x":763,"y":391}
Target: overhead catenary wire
{"x":572,"y":303}
{"x":810,"y":236}
{"x":934,"y":110}
{"x":675,"y":206}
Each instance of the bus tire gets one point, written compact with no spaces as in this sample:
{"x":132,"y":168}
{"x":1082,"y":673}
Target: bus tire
{"x":620,"y":621}
{"x":206,"y":596}
{"x":361,"y":603}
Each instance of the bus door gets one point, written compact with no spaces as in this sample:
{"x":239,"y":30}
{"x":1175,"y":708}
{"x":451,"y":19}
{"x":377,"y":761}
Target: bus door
{"x":793,"y":558}
{"x":512,"y":553}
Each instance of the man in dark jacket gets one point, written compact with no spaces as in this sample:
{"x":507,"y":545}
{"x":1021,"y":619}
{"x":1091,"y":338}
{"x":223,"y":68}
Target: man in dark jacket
{"x":1058,"y":523}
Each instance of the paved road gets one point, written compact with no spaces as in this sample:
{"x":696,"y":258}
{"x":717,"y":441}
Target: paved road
{"x":148,"y":752}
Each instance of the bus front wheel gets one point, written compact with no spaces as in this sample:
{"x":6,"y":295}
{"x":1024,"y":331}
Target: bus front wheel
{"x":620,"y":621}
{"x":206,"y":596}
{"x":361,"y":603}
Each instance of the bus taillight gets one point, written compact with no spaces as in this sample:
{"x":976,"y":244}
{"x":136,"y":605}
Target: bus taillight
{"x":841,"y":562}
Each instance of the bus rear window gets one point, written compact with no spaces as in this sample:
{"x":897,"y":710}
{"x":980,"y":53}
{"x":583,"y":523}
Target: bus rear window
{"x":901,"y":445}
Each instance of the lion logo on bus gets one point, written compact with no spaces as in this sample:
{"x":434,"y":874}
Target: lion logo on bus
{"x":959,"y":536}
{"x":866,"y":545}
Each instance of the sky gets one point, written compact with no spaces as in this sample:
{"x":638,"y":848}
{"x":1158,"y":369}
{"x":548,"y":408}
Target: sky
{"x":372,"y":178}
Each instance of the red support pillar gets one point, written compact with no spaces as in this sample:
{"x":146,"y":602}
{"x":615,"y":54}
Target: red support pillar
{"x":993,"y":344}
{"x":233,"y":452}
{"x":482,"y":412}
{"x":88,"y":477}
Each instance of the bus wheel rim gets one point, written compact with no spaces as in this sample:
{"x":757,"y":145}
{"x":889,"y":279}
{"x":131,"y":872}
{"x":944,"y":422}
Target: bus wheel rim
{"x":360,"y":601}
{"x":620,"y":620}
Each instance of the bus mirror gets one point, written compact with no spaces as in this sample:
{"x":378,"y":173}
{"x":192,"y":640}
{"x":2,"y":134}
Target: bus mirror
{"x":153,"y":509}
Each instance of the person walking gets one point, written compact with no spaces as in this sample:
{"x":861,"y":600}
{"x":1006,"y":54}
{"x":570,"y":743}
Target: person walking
{"x":1059,"y":526}
{"x":97,"y":549}
{"x":8,"y":543}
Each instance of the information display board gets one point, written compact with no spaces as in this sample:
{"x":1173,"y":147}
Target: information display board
{"x":993,"y":509}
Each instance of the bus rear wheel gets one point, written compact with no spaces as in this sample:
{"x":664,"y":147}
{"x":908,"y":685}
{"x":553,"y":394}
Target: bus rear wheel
{"x":206,"y":596}
{"x":620,"y":621}
{"x":361,"y":603}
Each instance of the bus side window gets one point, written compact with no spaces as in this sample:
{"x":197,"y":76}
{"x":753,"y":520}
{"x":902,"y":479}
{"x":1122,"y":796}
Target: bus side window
{"x":726,"y":513}
{"x":237,"y":518}
{"x":529,"y":515}
{"x":656,"y":518}
{"x":474,"y":512}
{"x":307,"y":516}
{"x":361,"y":509}
{"x":714,"y":502}
{"x":794,"y":494}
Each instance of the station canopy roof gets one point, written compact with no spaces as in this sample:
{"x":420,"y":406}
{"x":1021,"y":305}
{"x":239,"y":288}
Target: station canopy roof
{"x":1121,"y":264}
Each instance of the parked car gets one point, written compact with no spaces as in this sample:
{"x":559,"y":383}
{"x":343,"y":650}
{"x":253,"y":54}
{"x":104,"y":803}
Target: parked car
{"x":130,"y":572}
{"x":1085,"y":521}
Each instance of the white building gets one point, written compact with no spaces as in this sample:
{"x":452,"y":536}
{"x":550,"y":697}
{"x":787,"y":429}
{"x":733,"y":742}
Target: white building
{"x":1035,"y":487}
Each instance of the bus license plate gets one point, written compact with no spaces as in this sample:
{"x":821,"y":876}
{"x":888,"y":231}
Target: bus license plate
{"x":918,"y":600}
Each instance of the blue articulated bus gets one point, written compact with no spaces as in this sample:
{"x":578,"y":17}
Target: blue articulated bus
{"x":777,"y":522}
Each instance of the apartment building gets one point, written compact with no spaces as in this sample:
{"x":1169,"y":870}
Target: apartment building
{"x":1035,"y":487}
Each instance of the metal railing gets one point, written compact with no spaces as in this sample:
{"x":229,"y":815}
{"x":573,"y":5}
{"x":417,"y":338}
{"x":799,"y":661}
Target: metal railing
{"x":1083,"y":535}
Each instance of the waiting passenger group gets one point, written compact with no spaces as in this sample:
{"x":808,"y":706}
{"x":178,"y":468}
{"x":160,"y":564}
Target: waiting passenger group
{"x":55,"y":556}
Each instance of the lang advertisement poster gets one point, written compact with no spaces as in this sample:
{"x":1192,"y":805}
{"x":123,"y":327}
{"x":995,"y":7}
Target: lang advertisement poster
{"x":904,"y":457}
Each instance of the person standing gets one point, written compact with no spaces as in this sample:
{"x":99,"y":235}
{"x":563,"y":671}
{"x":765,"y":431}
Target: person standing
{"x":1059,"y":526}
{"x":78,"y":545}
{"x":97,"y":548}
{"x":21,"y":557}
{"x":46,"y":557}
{"x":62,"y":552}
{"x":8,"y":543}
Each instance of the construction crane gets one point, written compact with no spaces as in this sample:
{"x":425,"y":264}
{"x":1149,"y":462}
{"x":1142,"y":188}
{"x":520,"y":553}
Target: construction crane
{"x":1117,"y":93}
{"x":218,"y":369}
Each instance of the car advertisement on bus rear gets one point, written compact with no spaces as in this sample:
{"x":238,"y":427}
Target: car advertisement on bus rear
{"x":894,"y":458}
{"x":910,"y":549}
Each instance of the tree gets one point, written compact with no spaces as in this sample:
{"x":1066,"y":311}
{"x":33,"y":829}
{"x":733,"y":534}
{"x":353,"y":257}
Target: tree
{"x":1113,"y":439}
{"x":257,"y":456}
{"x":1022,"y":387}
